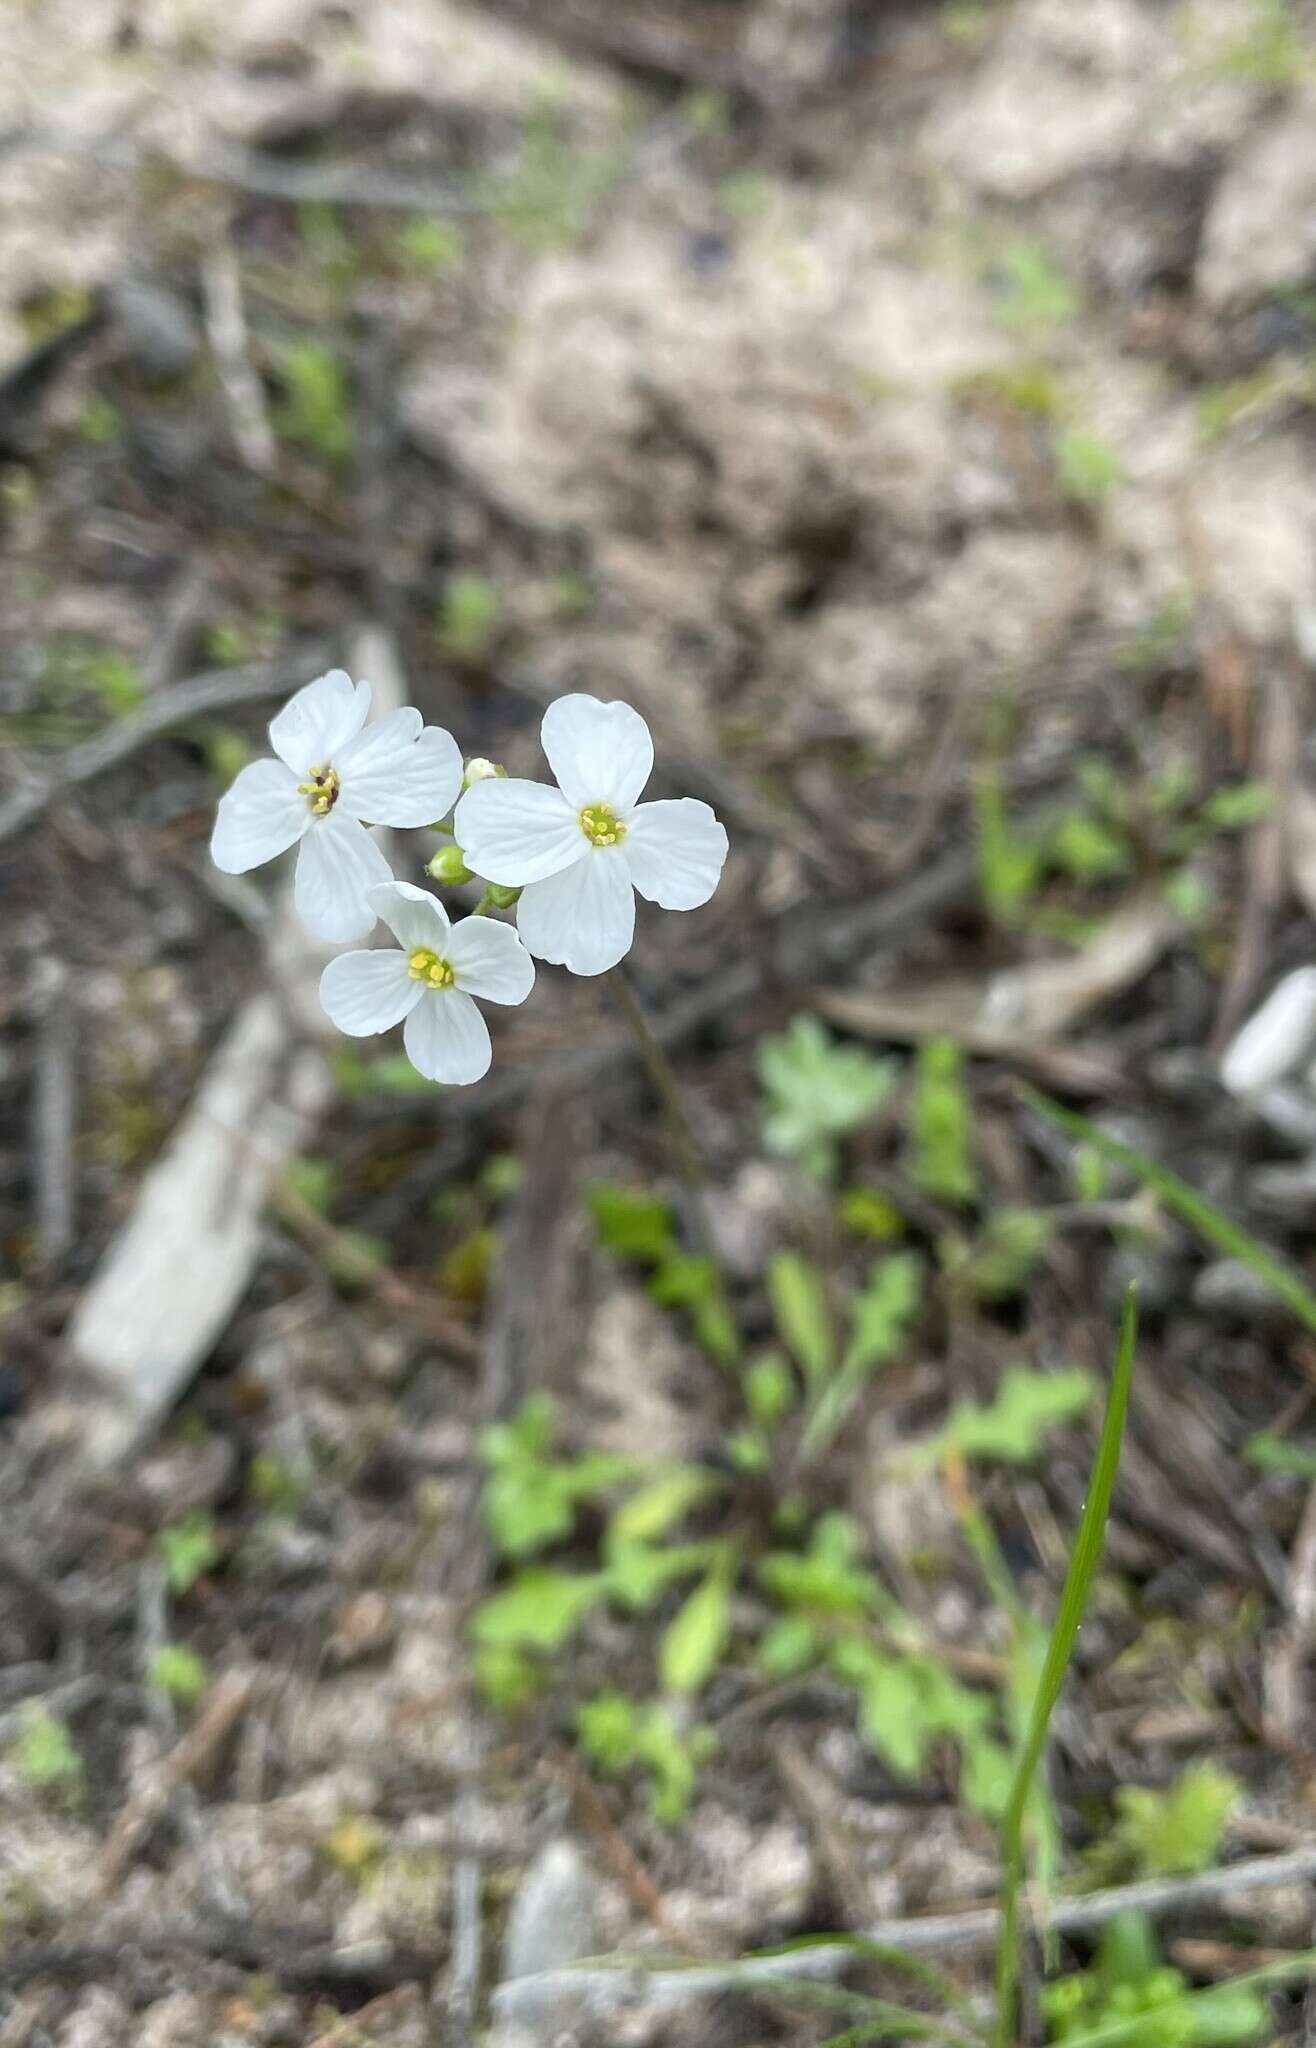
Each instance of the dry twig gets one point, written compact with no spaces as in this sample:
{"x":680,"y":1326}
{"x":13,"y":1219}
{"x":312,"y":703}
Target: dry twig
{"x":219,"y":689}
{"x":611,"y":1989}
{"x":228,"y":1702}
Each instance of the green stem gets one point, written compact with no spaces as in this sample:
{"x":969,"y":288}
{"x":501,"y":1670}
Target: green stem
{"x":1073,"y":1600}
{"x":684,"y":1143}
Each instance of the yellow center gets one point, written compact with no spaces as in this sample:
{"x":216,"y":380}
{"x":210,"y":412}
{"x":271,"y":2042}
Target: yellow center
{"x":425,"y":965}
{"x":601,"y":825}
{"x":321,"y":791}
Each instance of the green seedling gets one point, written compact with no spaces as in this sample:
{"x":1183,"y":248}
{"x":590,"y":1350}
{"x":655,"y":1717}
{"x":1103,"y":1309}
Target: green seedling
{"x":46,"y":1760}
{"x":817,"y":1092}
{"x":530,"y":1498}
{"x":188,"y":1549}
{"x":179,"y":1673}
{"x":315,"y":411}
{"x":618,"y":1734}
{"x":942,"y":1119}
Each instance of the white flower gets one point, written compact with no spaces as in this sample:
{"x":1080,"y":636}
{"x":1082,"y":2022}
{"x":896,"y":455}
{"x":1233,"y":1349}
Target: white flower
{"x":431,"y":982}
{"x":334,"y":774}
{"x":579,"y":852}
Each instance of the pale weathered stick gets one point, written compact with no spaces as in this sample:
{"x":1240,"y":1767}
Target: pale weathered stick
{"x":615,"y":1984}
{"x":167,"y":1286}
{"x":216,"y":689}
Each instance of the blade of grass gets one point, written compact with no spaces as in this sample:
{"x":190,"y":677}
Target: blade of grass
{"x":1201,"y":1215}
{"x":887,"y":1957}
{"x":875,"y":2018}
{"x":1073,"y":1600}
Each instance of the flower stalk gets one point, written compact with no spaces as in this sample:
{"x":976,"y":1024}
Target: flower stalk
{"x":689,"y":1155}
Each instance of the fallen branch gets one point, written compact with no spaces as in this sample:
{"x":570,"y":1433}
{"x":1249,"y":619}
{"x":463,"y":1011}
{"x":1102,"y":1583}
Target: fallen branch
{"x":228,"y":1702}
{"x":216,"y":689}
{"x":628,"y":1982}
{"x":265,"y":177}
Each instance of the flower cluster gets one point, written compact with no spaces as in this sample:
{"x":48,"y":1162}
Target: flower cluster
{"x":569,"y":858}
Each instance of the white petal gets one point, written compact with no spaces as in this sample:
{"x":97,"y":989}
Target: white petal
{"x":583,"y":919}
{"x":675,"y":852}
{"x":395,"y":773}
{"x":516,"y":832}
{"x":315,"y":724}
{"x":366,"y":992}
{"x":490,"y":961}
{"x":1276,"y":1038}
{"x":600,"y":753}
{"x":338,"y":863}
{"x":447,"y":1039}
{"x":414,"y":916}
{"x":260,"y":816}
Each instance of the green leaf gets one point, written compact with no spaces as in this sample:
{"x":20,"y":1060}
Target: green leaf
{"x":1088,"y":849}
{"x":998,"y":1262}
{"x":672,"y":1761}
{"x":1087,"y":467}
{"x":986,"y":1777}
{"x":1083,"y":1562}
{"x":695,"y":1639}
{"x":45,"y":1758}
{"x":693,"y":1283}
{"x":1178,"y":1831}
{"x":1240,"y":805}
{"x":799,"y":1304}
{"x":630,"y":1223}
{"x":657,"y":1507}
{"x":1012,"y":1429}
{"x":943,"y":1124}
{"x":616,"y":1733}
{"x":188,"y":1549}
{"x":1034,"y":290}
{"x":825,"y":1579}
{"x":908,"y":1701}
{"x":540,"y":1609}
{"x":528,"y":1500}
{"x":638,"y":1575}
{"x":789,"y":1645}
{"x":314,"y":1181}
{"x":880,"y":1320}
{"x":506,"y":1677}
{"x":316,"y":408}
{"x":179,"y":1673}
{"x":1009,"y":865}
{"x":1271,"y":1454}
{"x":817,"y":1092}
{"x":868,"y":1213}
{"x":608,"y":1727}
{"x":389,"y":1074}
{"x":769,"y":1389}
{"x":430,"y":244}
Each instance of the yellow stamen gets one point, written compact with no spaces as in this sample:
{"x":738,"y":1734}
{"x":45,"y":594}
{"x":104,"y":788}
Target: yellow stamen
{"x":321,"y":792}
{"x":601,"y":825}
{"x":426,"y":965}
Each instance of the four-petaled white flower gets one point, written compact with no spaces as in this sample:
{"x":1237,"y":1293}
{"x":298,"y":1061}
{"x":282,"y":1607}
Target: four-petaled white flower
{"x":430,"y":982}
{"x":333,"y":776}
{"x":580,"y":851}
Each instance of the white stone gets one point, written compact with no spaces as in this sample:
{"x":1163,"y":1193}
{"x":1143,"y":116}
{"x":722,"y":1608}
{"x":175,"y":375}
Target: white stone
{"x":1276,"y":1039}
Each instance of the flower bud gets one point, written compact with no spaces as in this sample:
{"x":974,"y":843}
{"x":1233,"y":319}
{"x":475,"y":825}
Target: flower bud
{"x":500,"y":897}
{"x":480,"y":770}
{"x":448,"y":866}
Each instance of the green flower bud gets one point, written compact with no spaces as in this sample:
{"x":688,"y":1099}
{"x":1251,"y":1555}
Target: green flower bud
{"x":480,"y":770}
{"x":449,"y":866}
{"x":502,"y":898}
